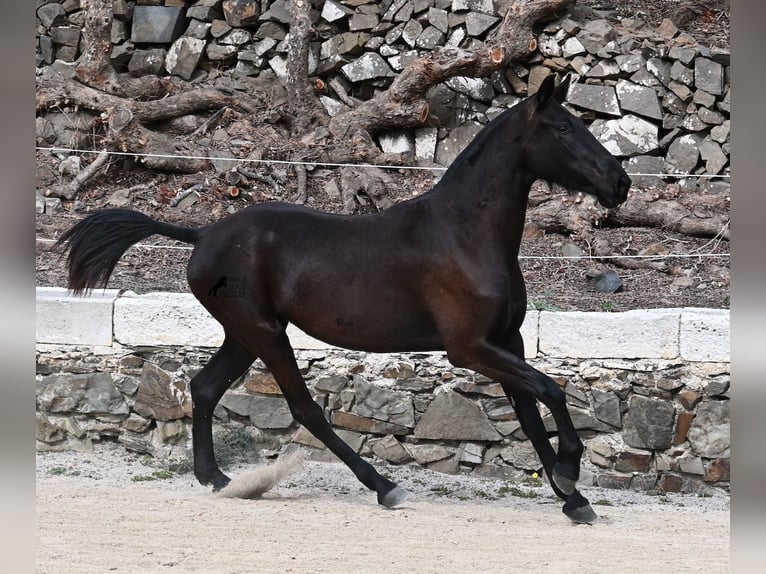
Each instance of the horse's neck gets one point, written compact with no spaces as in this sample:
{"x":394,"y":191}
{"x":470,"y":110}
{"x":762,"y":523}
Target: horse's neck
{"x":489,"y":194}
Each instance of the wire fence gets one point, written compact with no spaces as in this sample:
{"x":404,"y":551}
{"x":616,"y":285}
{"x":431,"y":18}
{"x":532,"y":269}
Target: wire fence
{"x":391,"y":167}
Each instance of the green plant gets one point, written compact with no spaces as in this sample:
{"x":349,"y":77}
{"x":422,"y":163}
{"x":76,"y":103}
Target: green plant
{"x":156,"y":475}
{"x":607,"y":306}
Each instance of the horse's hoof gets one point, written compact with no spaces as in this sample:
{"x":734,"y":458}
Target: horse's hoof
{"x":564,"y":484}
{"x":220,"y":483}
{"x":393,"y":497}
{"x":579,"y":510}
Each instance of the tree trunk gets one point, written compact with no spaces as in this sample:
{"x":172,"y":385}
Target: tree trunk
{"x":94,"y":67}
{"x":305,"y":109}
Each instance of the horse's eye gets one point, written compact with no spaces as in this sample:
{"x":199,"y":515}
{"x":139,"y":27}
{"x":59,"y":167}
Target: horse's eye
{"x":563,"y":128}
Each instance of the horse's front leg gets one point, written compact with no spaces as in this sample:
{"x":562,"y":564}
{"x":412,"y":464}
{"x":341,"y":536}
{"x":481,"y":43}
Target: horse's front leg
{"x":524,"y":384}
{"x":207,"y":388}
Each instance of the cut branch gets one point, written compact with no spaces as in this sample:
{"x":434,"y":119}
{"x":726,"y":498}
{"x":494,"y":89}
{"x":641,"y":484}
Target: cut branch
{"x":69,"y":190}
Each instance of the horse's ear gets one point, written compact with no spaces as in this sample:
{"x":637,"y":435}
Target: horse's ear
{"x":561,"y":91}
{"x":545,"y":91}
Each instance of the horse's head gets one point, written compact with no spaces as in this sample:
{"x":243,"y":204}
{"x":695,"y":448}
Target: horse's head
{"x":559,"y":148}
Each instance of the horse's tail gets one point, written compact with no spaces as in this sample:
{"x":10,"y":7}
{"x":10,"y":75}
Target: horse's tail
{"x":96,"y":243}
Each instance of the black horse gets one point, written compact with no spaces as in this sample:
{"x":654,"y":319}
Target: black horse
{"x":437,"y":272}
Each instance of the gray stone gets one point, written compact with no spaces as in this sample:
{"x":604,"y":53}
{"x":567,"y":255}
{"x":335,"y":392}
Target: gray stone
{"x":479,"y":89}
{"x":548,"y":46}
{"x":89,"y":393}
{"x":680,"y":90}
{"x":51,"y":14}
{"x":713,"y":156}
{"x":46,"y":49}
{"x":358,"y":423}
{"x":607,"y":68}
{"x":704,"y":99}
{"x":485,"y":6}
{"x":183,"y":56}
{"x":331,"y":383}
{"x":595,"y":34}
{"x":606,"y":407}
{"x":683,"y":154}
{"x":65,"y":35}
{"x":263,"y":412}
{"x":383,"y":404}
{"x":627,"y":136}
{"x":147,"y":62}
{"x":721,"y":133}
{"x":641,"y":100}
{"x":649,"y":423}
{"x":360,"y":22}
{"x":725,"y":104}
{"x":369,"y":66}
{"x":536,"y":77}
{"x":630,"y":63}
{"x":453,"y":417}
{"x":682,"y":74}
{"x":449,"y":148}
{"x":477,"y":23}
{"x":279,"y":11}
{"x":393,"y":9}
{"x":597,"y":98}
{"x":159,"y":397}
{"x":429,"y":38}
{"x":708,"y":76}
{"x":397,"y":142}
{"x":439,"y":19}
{"x":660,"y":69}
{"x":204,"y":12}
{"x":217,"y":53}
{"x":425,"y":143}
{"x":522,"y":455}
{"x":710,"y":117}
{"x":428,"y":453}
{"x":645,"y":164}
{"x":236,"y":37}
{"x":270,"y":30}
{"x":693,"y":123}
{"x":333,"y":11}
{"x":411,"y":31}
{"x":346,"y":44}
{"x":608,"y":282}
{"x":581,"y":418}
{"x":390,"y":449}
{"x":241,"y":13}
{"x":572,"y":47}
{"x":156,"y":24}
{"x":471,"y":453}
{"x":684,"y":54}
{"x":709,"y":433}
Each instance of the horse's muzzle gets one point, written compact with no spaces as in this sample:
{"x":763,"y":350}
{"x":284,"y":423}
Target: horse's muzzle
{"x":620,"y":192}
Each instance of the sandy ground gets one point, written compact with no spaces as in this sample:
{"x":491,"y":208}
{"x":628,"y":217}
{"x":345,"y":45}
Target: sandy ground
{"x":99,"y":512}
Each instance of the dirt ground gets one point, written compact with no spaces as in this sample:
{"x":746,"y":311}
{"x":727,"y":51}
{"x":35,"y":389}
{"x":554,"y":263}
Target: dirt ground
{"x":108,"y":511}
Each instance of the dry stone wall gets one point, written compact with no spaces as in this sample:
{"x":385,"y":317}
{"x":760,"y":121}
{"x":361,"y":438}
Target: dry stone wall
{"x":649,"y":393}
{"x":654,"y":97}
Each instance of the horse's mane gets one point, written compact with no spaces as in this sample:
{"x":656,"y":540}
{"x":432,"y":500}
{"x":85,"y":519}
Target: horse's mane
{"x":473,"y":149}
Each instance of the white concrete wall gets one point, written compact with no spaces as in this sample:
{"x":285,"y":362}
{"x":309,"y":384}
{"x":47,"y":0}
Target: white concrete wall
{"x":178,"y":319}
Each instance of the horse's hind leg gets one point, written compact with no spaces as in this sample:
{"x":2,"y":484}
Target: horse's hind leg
{"x":207,"y":388}
{"x":277,"y":354}
{"x":576,"y":506}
